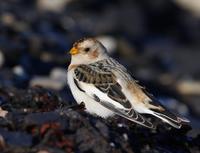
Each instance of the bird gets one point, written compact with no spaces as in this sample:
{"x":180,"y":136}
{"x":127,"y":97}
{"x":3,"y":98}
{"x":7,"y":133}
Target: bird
{"x":107,"y":88}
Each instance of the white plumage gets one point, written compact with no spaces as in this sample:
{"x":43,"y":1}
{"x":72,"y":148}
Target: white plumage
{"x":107,"y":89}
{"x":90,"y":104}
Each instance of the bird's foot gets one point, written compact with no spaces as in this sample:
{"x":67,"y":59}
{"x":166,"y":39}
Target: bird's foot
{"x":80,"y":106}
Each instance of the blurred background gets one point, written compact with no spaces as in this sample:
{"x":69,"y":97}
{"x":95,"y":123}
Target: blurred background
{"x":158,"y":41}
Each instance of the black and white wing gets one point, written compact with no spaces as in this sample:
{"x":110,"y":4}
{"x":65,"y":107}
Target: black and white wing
{"x":101,"y":84}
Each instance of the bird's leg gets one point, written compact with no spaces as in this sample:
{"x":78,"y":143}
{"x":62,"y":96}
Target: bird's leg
{"x":80,"y":106}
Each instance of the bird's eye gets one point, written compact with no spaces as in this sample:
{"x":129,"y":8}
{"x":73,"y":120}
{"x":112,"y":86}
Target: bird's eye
{"x":87,"y":49}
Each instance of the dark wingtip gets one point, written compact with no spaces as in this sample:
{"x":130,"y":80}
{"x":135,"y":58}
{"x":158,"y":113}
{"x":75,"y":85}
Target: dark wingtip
{"x":183,"y":120}
{"x":175,"y":123}
{"x":149,"y":125}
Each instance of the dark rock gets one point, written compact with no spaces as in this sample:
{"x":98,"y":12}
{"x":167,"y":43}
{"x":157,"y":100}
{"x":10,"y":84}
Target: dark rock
{"x":75,"y":131}
{"x":16,"y":138}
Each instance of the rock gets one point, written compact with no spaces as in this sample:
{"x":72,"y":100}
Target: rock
{"x":2,"y":142}
{"x":59,"y":74}
{"x":56,"y":81}
{"x":91,"y":142}
{"x":54,"y":6}
{"x":109,"y":42}
{"x":18,"y":70}
{"x":103,"y":129}
{"x":2,"y":59}
{"x":47,"y":83}
{"x":8,"y":18}
{"x":193,"y":6}
{"x":54,"y":128}
{"x":16,"y":138}
{"x":43,"y":151}
{"x":41,"y":118}
{"x":35,"y":99}
{"x":3,"y":112}
{"x":188,"y":87}
{"x":175,"y":106}
{"x":20,"y":78}
{"x":6,"y":78}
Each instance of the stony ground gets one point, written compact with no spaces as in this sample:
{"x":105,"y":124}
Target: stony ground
{"x":38,"y":120}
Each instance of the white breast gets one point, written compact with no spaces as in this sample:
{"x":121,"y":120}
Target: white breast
{"x":91,"y":105}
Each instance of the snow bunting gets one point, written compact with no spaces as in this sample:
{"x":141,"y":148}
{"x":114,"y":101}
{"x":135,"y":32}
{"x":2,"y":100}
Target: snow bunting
{"x":107,"y":89}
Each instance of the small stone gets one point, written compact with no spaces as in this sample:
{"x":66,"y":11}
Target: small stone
{"x":59,"y":74}
{"x":43,"y":151}
{"x":56,"y":81}
{"x":120,"y":125}
{"x":46,"y":57}
{"x":3,"y":113}
{"x":183,"y":109}
{"x":47,"y":82}
{"x":2,"y":59}
{"x":52,"y":5}
{"x":16,"y":138}
{"x":2,"y":142}
{"x":188,"y":87}
{"x":103,"y":129}
{"x":7,"y":18}
{"x":109,"y":42}
{"x":125,"y":136}
{"x":112,"y":144}
{"x":18,"y":70}
{"x":193,"y":6}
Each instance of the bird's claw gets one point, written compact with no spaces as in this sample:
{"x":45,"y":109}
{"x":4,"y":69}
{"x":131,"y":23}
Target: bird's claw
{"x":80,"y":106}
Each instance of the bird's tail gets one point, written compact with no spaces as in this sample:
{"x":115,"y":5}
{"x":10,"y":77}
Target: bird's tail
{"x":170,"y":118}
{"x":159,"y":111}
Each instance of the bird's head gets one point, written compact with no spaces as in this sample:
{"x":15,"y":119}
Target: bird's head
{"x":86,"y":51}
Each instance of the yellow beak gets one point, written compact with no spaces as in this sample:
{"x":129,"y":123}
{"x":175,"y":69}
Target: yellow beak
{"x":74,"y":51}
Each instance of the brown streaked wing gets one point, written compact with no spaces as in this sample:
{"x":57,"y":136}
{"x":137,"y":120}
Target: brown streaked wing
{"x":103,"y":80}
{"x":114,"y":91}
{"x":86,"y":73}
